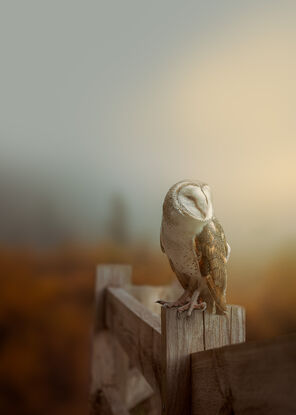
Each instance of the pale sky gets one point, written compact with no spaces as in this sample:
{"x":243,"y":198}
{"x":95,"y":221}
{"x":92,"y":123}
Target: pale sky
{"x":99,"y":98}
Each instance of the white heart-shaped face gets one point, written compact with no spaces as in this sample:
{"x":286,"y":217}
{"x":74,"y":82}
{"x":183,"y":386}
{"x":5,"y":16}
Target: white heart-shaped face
{"x":195,"y":201}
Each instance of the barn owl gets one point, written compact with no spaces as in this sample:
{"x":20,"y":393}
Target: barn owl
{"x":195,"y":244}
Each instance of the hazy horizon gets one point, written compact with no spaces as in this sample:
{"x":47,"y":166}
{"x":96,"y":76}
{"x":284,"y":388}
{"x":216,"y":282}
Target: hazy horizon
{"x":104,"y":100}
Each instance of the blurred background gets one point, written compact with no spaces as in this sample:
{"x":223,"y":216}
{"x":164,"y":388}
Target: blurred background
{"x":103,"y":106}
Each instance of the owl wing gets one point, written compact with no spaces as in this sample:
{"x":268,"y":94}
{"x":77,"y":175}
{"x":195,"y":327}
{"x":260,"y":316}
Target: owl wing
{"x":212,"y":250}
{"x":161,"y":245}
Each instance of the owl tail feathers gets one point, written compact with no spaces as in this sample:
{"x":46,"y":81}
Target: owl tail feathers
{"x":217,"y":295}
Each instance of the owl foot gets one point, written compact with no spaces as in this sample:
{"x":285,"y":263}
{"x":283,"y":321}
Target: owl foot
{"x":195,"y":303}
{"x":171,"y":304}
{"x":181,"y":301}
{"x":190,"y":307}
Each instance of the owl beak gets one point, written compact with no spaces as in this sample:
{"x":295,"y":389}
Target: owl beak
{"x":203,"y":213}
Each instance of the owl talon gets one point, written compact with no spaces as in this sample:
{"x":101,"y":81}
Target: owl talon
{"x":180,"y":310}
{"x":190,"y":307}
{"x":165,"y":304}
{"x":178,"y":303}
{"x":199,"y":307}
{"x":183,"y":308}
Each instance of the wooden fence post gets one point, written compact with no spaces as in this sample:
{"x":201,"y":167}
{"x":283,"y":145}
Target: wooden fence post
{"x":181,"y":336}
{"x":110,"y":363}
{"x":108,"y":276}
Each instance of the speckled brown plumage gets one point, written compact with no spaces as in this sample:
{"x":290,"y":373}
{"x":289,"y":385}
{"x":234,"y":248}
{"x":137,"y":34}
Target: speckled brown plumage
{"x":212,"y":248}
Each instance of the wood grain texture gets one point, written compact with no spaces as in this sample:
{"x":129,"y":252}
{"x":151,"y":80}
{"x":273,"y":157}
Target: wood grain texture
{"x":182,"y":336}
{"x":138,"y":332}
{"x":238,"y":324}
{"x":251,"y":378}
{"x":113,"y":276}
{"x":138,"y":389}
{"x":106,"y":401}
{"x":108,"y":276}
{"x":223,"y":330}
{"x":110,"y":364}
{"x":122,"y":369}
{"x":105,"y":398}
{"x":150,"y":406}
{"x":102,"y":366}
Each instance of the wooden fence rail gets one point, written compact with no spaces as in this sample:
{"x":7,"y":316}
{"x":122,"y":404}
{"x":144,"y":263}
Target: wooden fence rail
{"x":174,"y":365}
{"x":138,"y":332}
{"x":250,"y":378}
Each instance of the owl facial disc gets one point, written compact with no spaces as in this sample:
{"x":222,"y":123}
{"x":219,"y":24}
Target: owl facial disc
{"x":195,"y":201}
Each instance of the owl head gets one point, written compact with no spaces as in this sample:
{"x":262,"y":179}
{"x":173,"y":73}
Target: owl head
{"x":189,"y":199}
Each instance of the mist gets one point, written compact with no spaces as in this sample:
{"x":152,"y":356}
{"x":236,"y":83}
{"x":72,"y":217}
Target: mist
{"x":105,"y":100}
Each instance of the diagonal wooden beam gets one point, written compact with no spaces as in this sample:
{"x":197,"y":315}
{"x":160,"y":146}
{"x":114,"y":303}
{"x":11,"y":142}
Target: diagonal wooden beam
{"x":138,"y":331}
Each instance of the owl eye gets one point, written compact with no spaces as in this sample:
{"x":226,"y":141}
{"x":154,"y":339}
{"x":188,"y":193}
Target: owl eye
{"x":203,"y":191}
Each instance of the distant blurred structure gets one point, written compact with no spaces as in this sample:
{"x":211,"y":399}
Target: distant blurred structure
{"x":117,"y":225}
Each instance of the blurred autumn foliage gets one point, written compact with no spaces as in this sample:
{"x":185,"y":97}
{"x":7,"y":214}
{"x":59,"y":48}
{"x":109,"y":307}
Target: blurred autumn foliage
{"x":45,"y":324}
{"x":46,"y":316}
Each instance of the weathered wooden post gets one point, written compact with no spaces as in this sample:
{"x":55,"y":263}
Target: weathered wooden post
{"x":127,"y":335}
{"x":109,"y":362}
{"x":181,"y":336}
